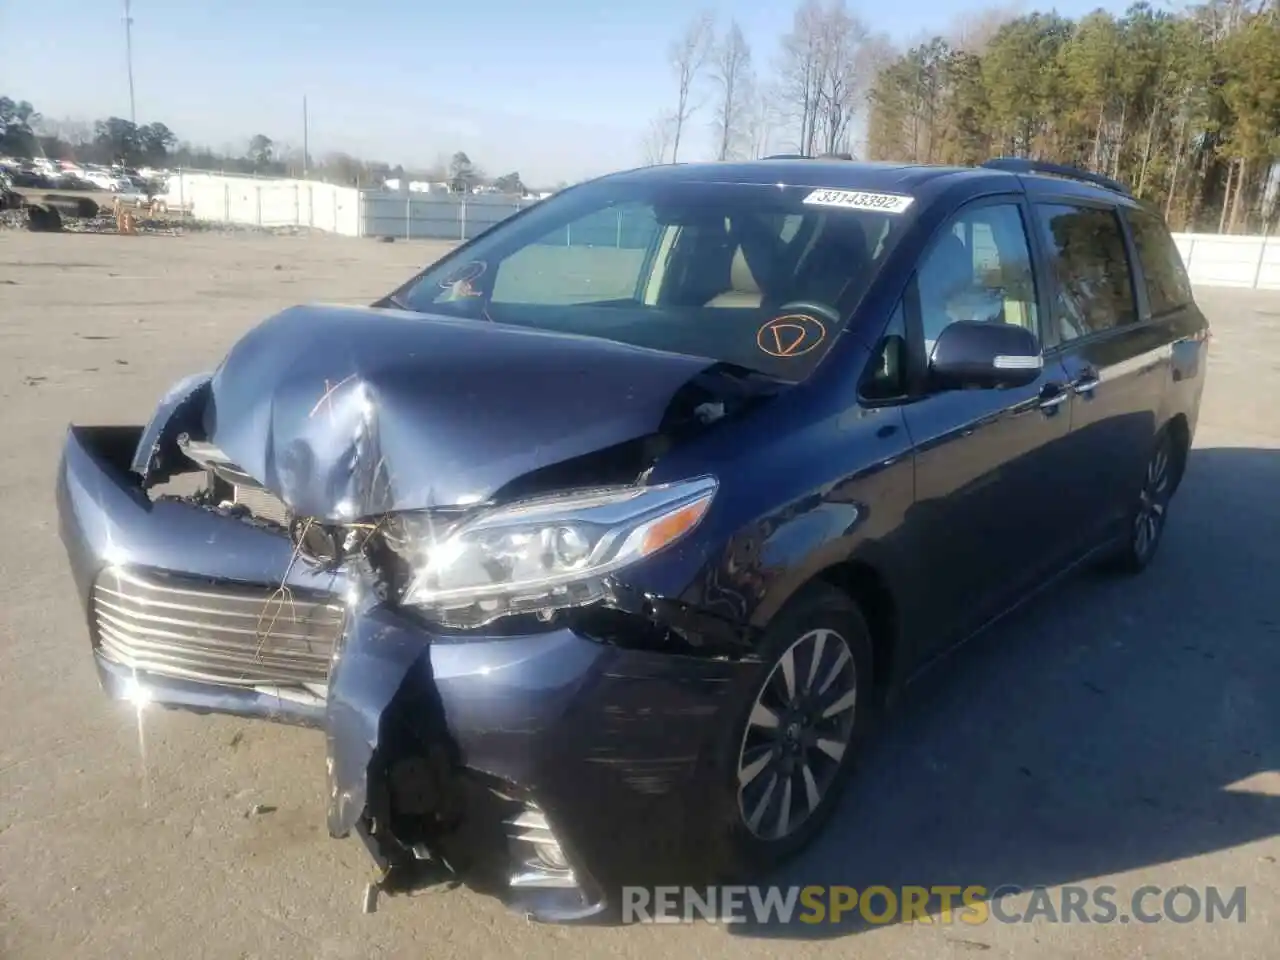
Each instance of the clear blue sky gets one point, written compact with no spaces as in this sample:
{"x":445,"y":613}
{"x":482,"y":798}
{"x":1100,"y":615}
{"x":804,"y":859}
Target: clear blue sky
{"x":557,"y":89}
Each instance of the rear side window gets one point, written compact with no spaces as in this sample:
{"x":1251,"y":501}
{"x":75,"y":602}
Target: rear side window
{"x":1166,"y":277}
{"x":1094,"y":286}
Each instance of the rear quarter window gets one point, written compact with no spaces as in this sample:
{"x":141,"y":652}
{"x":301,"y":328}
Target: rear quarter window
{"x":1168,"y":286}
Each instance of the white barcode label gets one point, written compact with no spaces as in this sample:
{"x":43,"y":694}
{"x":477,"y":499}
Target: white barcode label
{"x":857,"y":200}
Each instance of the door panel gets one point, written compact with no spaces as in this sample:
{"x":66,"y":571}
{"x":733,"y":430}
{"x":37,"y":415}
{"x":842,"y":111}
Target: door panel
{"x":1116,"y":393}
{"x":983,"y":460}
{"x":983,"y":457}
{"x":1116,"y":366}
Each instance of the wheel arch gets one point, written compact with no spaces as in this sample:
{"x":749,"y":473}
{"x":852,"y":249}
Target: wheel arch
{"x":870,"y":589}
{"x":867,"y":583}
{"x":1178,"y":429}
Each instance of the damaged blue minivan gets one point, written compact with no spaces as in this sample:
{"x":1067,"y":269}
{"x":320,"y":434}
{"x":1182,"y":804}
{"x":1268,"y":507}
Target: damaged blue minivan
{"x":595,"y":549}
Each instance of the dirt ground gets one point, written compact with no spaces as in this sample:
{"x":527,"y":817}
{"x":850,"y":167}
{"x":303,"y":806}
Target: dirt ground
{"x":1117,"y":732}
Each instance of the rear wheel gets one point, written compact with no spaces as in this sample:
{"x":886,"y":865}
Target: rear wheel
{"x":796,"y":736}
{"x":1150,"y":511}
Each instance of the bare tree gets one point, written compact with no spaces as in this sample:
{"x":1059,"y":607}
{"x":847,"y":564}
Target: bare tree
{"x":761,"y":121}
{"x":688,"y":57}
{"x":731,"y":71}
{"x":824,"y":69}
{"x":75,"y":132}
{"x":799,"y":65}
{"x":842,"y":76}
{"x":879,"y":54}
{"x":972,"y":31}
{"x":657,"y":139}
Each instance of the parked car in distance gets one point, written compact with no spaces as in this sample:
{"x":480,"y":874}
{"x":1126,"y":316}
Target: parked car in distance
{"x":106,"y":180}
{"x":25,"y":177}
{"x":597,"y":546}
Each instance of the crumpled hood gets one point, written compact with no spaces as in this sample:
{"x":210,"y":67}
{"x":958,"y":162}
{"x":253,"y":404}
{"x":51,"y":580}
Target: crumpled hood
{"x":348,"y":412}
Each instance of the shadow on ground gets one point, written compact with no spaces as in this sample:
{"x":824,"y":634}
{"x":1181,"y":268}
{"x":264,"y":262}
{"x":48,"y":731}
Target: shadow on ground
{"x":1098,"y":732}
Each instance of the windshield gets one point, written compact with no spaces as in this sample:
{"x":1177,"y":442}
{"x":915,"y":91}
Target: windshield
{"x":761,"y":276}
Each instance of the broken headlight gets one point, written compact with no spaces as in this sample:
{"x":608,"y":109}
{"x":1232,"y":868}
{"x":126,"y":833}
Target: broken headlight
{"x":543,"y":554}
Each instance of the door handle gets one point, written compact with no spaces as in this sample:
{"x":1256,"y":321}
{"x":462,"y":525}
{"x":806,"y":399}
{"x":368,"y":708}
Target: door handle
{"x":1054,"y":402}
{"x":1087,"y":383}
{"x":1052,"y":397}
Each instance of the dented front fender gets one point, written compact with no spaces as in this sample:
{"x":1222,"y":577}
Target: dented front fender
{"x":595,"y":734}
{"x":402,"y":690}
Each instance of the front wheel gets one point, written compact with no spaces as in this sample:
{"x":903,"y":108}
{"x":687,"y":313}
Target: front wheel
{"x":795,"y":738}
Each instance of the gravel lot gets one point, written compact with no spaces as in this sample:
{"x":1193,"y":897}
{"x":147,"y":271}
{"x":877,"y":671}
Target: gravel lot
{"x":1118,"y":732}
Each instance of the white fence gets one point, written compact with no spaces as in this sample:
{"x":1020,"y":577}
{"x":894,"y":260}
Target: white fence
{"x":444,"y":216}
{"x":1211,"y":260}
{"x":267,"y":203}
{"x":343,"y":210}
{"x":1223,"y":261}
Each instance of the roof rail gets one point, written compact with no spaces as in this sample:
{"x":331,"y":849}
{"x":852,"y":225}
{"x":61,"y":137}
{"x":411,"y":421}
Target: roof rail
{"x":1023,"y":165}
{"x":806,"y":156}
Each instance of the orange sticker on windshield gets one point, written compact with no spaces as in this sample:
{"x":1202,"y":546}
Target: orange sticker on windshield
{"x":791,"y":336}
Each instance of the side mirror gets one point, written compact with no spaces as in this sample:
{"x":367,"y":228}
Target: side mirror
{"x":970,"y":353}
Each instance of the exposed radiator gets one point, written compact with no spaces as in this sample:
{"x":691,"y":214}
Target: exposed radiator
{"x":262,"y":503}
{"x":245,"y":490}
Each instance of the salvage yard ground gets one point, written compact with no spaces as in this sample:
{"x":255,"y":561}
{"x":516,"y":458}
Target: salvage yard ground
{"x":1118,"y":732}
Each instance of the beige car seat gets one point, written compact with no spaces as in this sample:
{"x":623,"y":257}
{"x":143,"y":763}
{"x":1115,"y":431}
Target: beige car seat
{"x":1019,"y":314}
{"x":744,"y":291}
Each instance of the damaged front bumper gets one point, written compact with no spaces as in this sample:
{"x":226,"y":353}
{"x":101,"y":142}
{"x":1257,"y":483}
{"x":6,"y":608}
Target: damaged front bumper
{"x":549,"y":768}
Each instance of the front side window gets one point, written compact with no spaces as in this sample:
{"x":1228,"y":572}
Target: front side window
{"x":978,"y":269}
{"x":1166,"y":276}
{"x":747,"y":274}
{"x":1094,"y":288}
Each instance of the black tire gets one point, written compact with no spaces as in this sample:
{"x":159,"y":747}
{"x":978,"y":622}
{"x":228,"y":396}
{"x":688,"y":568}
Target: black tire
{"x":751,"y":842}
{"x":43,"y":220}
{"x":1146,"y":521}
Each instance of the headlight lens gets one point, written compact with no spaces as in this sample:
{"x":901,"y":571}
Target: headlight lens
{"x":542,"y":554}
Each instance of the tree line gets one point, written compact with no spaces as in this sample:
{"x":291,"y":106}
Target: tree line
{"x":25,"y":133}
{"x":1182,"y":107}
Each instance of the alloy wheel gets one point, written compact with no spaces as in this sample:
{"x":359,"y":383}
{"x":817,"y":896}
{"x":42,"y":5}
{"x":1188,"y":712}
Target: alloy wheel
{"x":1153,"y":501}
{"x":797,"y":733}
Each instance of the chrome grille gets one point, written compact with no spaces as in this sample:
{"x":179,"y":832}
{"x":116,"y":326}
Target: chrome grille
{"x":214,"y":631}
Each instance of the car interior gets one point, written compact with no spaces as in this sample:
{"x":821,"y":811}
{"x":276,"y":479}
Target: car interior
{"x":697,"y":280}
{"x":978,"y":271}
{"x":816,"y":261}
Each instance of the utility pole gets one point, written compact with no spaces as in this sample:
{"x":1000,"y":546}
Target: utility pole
{"x":305,"y":137}
{"x":128,"y":53}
